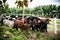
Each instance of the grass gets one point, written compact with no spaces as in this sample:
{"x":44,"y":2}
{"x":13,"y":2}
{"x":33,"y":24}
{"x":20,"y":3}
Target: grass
{"x":8,"y":33}
{"x":51,"y":25}
{"x":58,"y":22}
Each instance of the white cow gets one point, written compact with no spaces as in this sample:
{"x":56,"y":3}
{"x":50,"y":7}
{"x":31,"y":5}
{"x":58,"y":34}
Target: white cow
{"x":7,"y":22}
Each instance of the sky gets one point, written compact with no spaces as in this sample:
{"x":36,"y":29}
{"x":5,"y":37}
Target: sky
{"x":35,"y":3}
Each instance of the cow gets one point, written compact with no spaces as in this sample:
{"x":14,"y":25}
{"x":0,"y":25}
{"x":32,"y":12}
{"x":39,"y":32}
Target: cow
{"x":12,"y":17}
{"x":44,"y":23}
{"x":33,"y":21}
{"x":19,"y":24}
{"x":8,"y":23}
{"x":39,"y":24}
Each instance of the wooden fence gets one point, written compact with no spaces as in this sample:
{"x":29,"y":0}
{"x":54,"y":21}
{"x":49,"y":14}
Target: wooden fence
{"x":55,"y":24}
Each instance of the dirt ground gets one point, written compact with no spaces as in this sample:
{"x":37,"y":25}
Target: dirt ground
{"x":57,"y":35}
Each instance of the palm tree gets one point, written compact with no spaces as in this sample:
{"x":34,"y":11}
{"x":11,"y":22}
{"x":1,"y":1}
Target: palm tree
{"x":22,"y":4}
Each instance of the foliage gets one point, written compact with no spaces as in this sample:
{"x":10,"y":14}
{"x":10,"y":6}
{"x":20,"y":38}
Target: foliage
{"x":3,"y":7}
{"x":46,"y":10}
{"x":8,"y":33}
{"x":22,"y":3}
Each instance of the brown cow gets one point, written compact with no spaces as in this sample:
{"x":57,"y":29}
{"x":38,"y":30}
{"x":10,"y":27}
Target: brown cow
{"x":19,"y":24}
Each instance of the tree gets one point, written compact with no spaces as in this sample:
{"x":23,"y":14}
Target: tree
{"x":58,"y":9}
{"x":22,"y":4}
{"x":3,"y":6}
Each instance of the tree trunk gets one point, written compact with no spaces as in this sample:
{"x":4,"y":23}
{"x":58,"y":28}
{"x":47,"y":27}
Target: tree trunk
{"x":23,"y":15}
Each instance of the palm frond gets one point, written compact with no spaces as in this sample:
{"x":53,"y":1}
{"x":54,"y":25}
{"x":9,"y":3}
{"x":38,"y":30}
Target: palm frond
{"x":31,"y":0}
{"x":20,"y":4}
{"x":15,"y":2}
{"x":26,"y":3}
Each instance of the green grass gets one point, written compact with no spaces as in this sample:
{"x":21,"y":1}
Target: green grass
{"x":58,"y":22}
{"x":51,"y":25}
{"x":8,"y":33}
{"x":58,"y":26}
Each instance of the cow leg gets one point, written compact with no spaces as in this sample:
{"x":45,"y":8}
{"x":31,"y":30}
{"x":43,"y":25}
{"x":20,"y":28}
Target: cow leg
{"x":46,"y":29}
{"x":33,"y":28}
{"x":15,"y":26}
{"x":1,"y":22}
{"x":37,"y":27}
{"x":41,"y":29}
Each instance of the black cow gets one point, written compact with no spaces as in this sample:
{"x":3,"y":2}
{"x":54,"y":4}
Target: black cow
{"x":35,"y":24}
{"x":12,"y":17}
{"x":43,"y":24}
{"x":33,"y":21}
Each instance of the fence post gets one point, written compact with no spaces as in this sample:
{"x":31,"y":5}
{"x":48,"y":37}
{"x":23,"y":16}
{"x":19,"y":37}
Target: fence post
{"x":55,"y":27}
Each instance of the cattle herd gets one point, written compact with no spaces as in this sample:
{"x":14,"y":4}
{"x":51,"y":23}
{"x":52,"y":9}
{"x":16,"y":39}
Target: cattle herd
{"x":32,"y":23}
